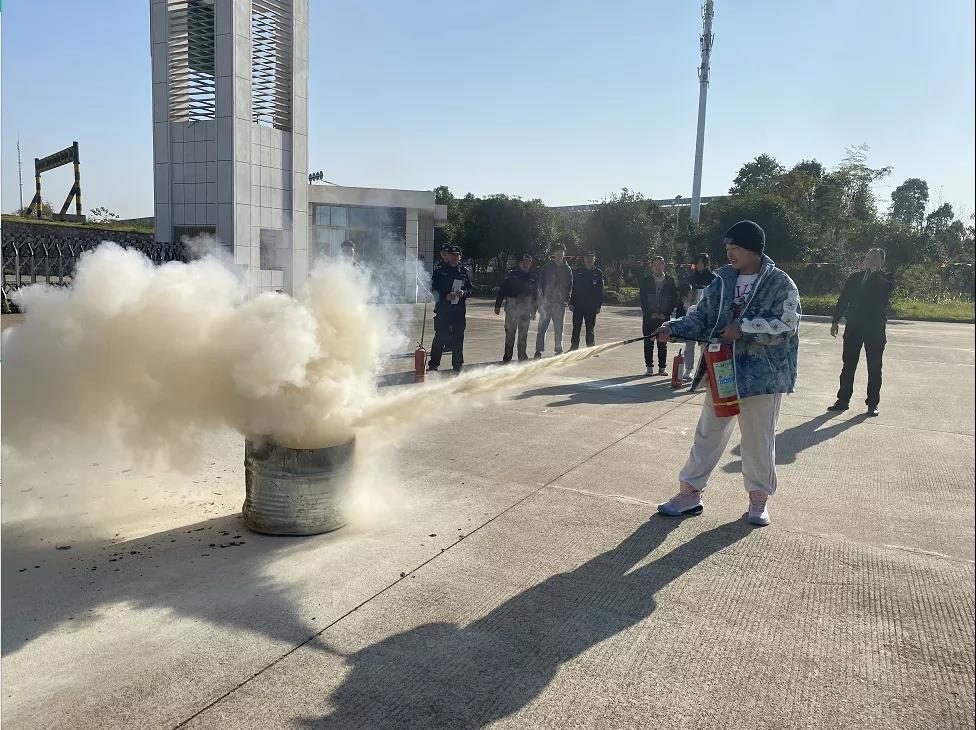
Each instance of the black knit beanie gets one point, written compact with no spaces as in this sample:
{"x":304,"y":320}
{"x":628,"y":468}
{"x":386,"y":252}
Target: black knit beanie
{"x":747,"y":235}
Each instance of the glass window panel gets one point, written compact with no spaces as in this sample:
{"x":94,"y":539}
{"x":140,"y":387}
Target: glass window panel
{"x":321,"y":215}
{"x":358,"y":218}
{"x":338,"y":216}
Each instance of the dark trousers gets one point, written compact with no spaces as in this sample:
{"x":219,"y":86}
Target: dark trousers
{"x":579,"y":317}
{"x":874,"y":345}
{"x":516,"y":325}
{"x":651,"y":324}
{"x":448,"y":330}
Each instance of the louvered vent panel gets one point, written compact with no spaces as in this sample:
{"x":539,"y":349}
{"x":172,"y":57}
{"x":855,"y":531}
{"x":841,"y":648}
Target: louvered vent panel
{"x":192,"y":72}
{"x":271,"y":62}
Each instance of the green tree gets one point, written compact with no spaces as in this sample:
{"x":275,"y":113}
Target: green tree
{"x":500,"y":226}
{"x":939,"y":220}
{"x":102,"y":215}
{"x":569,"y":230}
{"x":908,"y":202}
{"x":798,"y":187}
{"x":620,"y":228}
{"x":455,"y":214}
{"x":785,"y":229}
{"x":761,"y":175}
{"x":47,"y":212}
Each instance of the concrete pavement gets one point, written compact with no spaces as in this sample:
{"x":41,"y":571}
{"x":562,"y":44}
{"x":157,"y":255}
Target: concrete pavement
{"x":523,"y":580}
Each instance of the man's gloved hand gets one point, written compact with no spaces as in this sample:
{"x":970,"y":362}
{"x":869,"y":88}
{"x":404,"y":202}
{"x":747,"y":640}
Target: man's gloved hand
{"x":834,"y":329}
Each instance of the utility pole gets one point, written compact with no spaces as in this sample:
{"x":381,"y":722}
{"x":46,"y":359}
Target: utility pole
{"x":674,"y":233}
{"x":707,"y":38}
{"x":20,"y":176}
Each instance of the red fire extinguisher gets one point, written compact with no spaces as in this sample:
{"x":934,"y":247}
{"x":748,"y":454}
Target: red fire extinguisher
{"x":419,"y":364}
{"x":721,"y":379}
{"x":677,"y":365}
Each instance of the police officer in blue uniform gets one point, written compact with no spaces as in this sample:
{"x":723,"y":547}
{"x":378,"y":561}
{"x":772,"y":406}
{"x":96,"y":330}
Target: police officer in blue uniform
{"x":519,"y":293}
{"x":451,"y":285}
{"x":586,"y":299}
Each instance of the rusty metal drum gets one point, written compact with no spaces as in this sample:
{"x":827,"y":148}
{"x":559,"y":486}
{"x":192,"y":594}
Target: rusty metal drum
{"x":295,"y":491}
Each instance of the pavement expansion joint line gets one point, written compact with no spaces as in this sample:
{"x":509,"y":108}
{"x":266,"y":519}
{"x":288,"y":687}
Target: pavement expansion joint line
{"x":431,"y":559}
{"x":601,"y":495}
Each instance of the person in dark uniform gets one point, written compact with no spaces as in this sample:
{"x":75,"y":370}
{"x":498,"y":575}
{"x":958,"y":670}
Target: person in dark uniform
{"x":864,"y":300}
{"x":586,"y":300}
{"x":658,"y":298}
{"x":519,"y":293}
{"x":451,"y":285}
{"x":441,"y":260}
{"x":444,"y":254}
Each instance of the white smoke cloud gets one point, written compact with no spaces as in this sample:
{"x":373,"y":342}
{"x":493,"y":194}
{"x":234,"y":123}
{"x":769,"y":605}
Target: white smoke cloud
{"x":160,"y":358}
{"x":159,"y":354}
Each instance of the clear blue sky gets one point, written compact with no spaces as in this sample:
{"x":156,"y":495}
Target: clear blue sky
{"x":567,"y":101}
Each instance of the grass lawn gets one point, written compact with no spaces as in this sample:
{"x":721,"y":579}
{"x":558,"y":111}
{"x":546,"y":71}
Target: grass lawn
{"x":86,"y":226}
{"x":953,"y":310}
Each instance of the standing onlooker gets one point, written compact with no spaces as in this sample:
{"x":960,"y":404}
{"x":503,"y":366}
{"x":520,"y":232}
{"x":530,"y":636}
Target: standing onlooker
{"x":586,"y":299}
{"x":756,"y":307}
{"x":658,"y":298}
{"x":555,"y":289}
{"x":702,"y":276}
{"x":451,"y":284}
{"x":445,"y":254}
{"x":687,"y":304}
{"x":519,"y":293}
{"x":864,"y":299}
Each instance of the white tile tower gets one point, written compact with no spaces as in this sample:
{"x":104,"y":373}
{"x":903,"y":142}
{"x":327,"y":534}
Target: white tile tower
{"x":230,"y":130}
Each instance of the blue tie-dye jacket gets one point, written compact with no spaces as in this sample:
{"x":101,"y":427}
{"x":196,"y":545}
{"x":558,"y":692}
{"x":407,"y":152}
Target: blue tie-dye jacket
{"x":765,"y":358}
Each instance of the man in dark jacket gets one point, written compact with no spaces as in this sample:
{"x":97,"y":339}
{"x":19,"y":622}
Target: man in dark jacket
{"x":555,"y":289}
{"x":864,"y":300}
{"x":586,"y":299}
{"x":451,"y":285}
{"x":519,"y":293}
{"x":658,"y":298}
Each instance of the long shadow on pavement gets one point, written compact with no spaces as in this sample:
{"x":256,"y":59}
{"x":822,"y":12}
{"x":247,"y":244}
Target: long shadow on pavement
{"x":210,"y":570}
{"x":793,"y":440}
{"x":624,"y":389}
{"x":443,"y":675}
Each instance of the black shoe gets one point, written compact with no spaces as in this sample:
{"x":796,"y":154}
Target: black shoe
{"x":507,"y":359}
{"x":537,"y":356}
{"x":432,"y":368}
{"x":839,"y":406}
{"x":574,"y":348}
{"x":873,"y":411}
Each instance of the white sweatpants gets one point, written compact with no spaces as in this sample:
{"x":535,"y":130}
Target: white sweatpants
{"x":689,"y":358}
{"x":757,"y":424}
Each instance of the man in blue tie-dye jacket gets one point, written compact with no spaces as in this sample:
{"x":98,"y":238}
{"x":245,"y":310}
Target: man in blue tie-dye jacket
{"x":756,"y":307}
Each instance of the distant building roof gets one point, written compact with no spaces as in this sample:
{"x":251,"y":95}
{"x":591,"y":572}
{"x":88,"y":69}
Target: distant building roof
{"x":663,"y":202}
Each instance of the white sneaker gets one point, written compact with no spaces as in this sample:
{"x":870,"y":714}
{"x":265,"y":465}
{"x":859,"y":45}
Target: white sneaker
{"x":686,"y":502}
{"x":649,"y":371}
{"x":758,"y":514}
{"x":662,"y":371}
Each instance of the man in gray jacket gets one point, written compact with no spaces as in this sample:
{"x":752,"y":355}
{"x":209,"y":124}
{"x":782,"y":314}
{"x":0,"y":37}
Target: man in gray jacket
{"x":555,"y":287}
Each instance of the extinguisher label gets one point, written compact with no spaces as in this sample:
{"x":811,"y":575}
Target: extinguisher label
{"x":724,"y":379}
